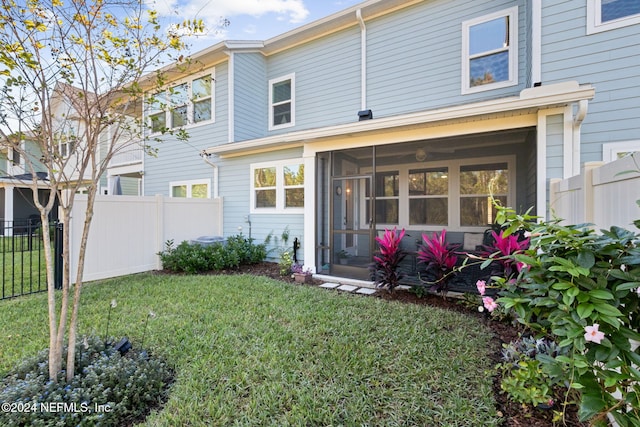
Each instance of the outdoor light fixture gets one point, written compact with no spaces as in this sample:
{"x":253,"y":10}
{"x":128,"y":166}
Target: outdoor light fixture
{"x":123,"y":346}
{"x":421,"y":154}
{"x":365,"y":115}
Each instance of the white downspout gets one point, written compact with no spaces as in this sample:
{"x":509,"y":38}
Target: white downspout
{"x":214,"y":190}
{"x":363,"y":60}
{"x":583,"y":106}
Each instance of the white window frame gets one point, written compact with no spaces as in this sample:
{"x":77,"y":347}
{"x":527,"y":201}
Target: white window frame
{"x":611,"y":150}
{"x":594,"y":19}
{"x":512,"y":49}
{"x":189,"y":184}
{"x":280,"y":187}
{"x":292,"y":101}
{"x":168,"y":107}
{"x":453,"y":203}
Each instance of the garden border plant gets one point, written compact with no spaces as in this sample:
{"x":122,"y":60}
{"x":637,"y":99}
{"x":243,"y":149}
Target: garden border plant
{"x":581,"y":290}
{"x":195,"y":258}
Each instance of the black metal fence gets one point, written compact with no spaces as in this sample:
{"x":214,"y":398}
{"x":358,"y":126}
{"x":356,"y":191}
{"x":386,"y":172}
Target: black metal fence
{"x":22,"y":261}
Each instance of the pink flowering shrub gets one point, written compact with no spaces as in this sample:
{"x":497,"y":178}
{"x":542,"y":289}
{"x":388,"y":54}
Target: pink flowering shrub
{"x":578,"y":288}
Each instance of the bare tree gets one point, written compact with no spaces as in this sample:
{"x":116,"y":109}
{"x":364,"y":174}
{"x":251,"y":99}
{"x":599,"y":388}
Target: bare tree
{"x":73,"y":76}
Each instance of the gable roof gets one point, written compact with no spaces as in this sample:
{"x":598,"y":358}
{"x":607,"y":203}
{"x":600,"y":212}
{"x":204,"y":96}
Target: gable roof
{"x":330,"y":24}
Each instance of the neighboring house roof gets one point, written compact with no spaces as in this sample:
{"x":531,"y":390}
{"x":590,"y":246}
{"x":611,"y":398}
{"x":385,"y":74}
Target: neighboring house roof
{"x":27,"y":177}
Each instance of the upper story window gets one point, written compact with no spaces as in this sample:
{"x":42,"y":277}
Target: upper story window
{"x":603,"y":15}
{"x":282,"y":102}
{"x":66,"y":142}
{"x":187,"y":103}
{"x":490,"y":51}
{"x":277,"y":187}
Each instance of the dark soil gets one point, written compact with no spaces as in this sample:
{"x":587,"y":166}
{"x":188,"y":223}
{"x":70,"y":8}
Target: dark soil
{"x":514,"y":414}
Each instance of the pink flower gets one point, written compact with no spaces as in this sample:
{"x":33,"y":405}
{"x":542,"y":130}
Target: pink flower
{"x":522,"y":266}
{"x":482,"y":286}
{"x":638,"y":291}
{"x":593,"y":334}
{"x":489,"y":304}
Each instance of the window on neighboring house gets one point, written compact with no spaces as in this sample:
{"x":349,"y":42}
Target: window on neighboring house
{"x":603,"y":15}
{"x":428,"y":196}
{"x":282,"y":102}
{"x":196,"y":189}
{"x":490,"y":52}
{"x":277,"y":187}
{"x":478,"y":183}
{"x":184,"y":104}
{"x":15,"y":157}
{"x":66,"y":143}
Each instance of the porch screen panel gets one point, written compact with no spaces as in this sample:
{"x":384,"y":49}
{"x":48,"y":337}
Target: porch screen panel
{"x":428,"y":196}
{"x":477,"y":184}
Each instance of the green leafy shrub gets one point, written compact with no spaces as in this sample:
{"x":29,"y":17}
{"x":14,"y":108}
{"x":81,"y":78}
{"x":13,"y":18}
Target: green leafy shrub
{"x":581,"y":289}
{"x":109,"y":389}
{"x":523,"y":376}
{"x":195,"y":258}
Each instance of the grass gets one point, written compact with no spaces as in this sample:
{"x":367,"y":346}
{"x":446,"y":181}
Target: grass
{"x":22,"y":266}
{"x":254,"y":351}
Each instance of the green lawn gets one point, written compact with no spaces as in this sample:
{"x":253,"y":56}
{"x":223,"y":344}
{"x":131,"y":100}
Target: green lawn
{"x":254,"y":351}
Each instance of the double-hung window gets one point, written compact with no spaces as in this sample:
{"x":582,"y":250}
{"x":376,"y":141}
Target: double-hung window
{"x":282,"y":102}
{"x":187,"y":103}
{"x":490,"y":51}
{"x":603,"y":15}
{"x":277,"y":187}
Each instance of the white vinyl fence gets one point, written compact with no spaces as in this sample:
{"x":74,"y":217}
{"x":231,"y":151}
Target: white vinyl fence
{"x":603,"y":194}
{"x":127,"y":232}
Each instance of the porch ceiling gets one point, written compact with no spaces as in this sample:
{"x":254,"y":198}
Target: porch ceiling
{"x":528,"y":102}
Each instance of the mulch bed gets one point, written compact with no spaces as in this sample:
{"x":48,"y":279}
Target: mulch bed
{"x":514,"y":414}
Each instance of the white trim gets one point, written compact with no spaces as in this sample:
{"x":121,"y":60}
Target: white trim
{"x":189,"y":184}
{"x":568,"y":155}
{"x":363,"y":60}
{"x":279,"y":187}
{"x":541,"y":167}
{"x":594,"y":19}
{"x":167,"y":104}
{"x":536,"y":41}
{"x":512,"y":49}
{"x":272,"y":82}
{"x":309,"y":239}
{"x":231,"y":98}
{"x":453,"y":195}
{"x":610,"y":150}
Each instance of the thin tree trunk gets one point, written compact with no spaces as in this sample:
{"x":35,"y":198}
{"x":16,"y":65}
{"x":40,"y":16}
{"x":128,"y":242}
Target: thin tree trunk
{"x":55,"y":362}
{"x":78,"y":285}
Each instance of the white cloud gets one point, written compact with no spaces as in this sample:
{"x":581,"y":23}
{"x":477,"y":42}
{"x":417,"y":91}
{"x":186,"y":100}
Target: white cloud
{"x":211,"y":10}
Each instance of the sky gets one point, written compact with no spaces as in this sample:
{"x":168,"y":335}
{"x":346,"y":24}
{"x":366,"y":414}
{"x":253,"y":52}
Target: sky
{"x":249,"y":19}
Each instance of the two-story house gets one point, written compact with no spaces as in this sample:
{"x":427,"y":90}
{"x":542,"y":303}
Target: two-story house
{"x":405,"y":114}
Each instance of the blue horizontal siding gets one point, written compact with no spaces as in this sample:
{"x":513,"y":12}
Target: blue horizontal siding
{"x":608,"y":60}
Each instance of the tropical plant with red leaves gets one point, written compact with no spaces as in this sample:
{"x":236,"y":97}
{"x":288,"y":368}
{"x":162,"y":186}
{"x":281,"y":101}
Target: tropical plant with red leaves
{"x":502,"y":248}
{"x":385,"y":264}
{"x":439,"y":257}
